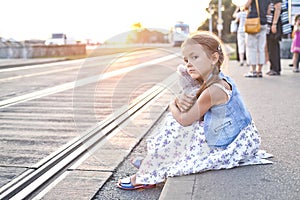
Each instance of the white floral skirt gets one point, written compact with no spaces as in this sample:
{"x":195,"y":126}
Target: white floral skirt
{"x":174,"y":150}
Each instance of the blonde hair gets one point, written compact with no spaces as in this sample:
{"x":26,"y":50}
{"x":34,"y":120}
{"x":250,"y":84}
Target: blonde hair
{"x":211,"y":44}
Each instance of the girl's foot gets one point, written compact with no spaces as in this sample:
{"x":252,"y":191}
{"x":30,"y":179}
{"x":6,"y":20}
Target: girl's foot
{"x":130,"y":184}
{"x":296,"y":70}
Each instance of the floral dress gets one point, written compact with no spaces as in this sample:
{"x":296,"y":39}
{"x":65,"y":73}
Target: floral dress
{"x":175,"y":150}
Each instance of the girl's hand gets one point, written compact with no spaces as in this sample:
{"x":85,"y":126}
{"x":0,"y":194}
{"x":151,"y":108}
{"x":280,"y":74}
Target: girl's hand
{"x":184,"y":102}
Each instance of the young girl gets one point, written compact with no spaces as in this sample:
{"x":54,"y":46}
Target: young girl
{"x":214,"y":132}
{"x":295,"y":48}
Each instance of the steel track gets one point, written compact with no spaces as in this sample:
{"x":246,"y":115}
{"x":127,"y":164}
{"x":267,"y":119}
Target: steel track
{"x":35,"y":179}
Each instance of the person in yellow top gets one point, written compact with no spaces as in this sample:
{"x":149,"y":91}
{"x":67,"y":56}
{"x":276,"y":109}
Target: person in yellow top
{"x":255,"y":43}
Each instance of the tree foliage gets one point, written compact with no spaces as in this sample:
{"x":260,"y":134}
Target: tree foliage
{"x":227,"y":11}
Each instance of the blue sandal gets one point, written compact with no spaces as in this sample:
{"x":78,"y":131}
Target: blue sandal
{"x":125,"y":184}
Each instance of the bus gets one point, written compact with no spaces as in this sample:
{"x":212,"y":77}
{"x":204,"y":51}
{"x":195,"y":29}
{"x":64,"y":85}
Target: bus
{"x":59,"y":39}
{"x":179,"y":32}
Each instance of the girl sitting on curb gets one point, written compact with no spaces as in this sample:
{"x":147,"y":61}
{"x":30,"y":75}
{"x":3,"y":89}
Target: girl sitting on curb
{"x":210,"y":132}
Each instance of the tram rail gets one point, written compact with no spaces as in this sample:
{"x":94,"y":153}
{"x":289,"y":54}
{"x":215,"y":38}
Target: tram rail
{"x":39,"y":176}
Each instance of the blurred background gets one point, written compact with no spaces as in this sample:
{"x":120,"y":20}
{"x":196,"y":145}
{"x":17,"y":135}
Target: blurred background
{"x":111,"y":22}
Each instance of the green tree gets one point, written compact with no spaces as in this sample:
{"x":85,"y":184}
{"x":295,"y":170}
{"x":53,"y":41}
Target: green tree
{"x":227,"y":11}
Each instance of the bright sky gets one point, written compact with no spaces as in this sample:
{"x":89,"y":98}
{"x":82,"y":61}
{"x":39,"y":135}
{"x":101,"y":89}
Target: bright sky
{"x":95,"y":19}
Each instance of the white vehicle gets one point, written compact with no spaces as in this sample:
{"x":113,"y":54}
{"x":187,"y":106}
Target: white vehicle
{"x":59,"y":39}
{"x":179,"y":32}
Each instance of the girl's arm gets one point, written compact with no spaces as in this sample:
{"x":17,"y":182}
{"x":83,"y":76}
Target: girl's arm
{"x":209,"y":97}
{"x":184,"y":102}
{"x":194,"y":114}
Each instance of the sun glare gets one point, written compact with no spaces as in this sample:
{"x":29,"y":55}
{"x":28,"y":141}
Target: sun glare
{"x":93,"y":19}
{"x":239,"y":2}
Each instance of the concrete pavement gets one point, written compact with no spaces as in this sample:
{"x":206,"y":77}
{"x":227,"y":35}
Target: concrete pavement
{"x":274,"y":104}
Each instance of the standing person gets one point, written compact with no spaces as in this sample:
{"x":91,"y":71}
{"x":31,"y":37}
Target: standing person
{"x":240,"y":14}
{"x":295,"y":48}
{"x":274,"y":33}
{"x":184,"y":144}
{"x":255,"y":43}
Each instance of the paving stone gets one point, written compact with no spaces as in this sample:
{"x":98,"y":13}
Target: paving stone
{"x":78,"y":185}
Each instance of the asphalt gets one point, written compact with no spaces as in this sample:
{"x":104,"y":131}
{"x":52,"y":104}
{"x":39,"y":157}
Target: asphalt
{"x":274,"y":104}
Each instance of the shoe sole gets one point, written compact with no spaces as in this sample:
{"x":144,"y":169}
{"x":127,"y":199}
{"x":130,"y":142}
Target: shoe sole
{"x":136,"y":187}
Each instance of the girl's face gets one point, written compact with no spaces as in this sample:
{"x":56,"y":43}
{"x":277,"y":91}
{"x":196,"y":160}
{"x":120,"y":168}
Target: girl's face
{"x":197,"y":62}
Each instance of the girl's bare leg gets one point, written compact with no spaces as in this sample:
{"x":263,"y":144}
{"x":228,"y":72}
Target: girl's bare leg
{"x":295,"y":62}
